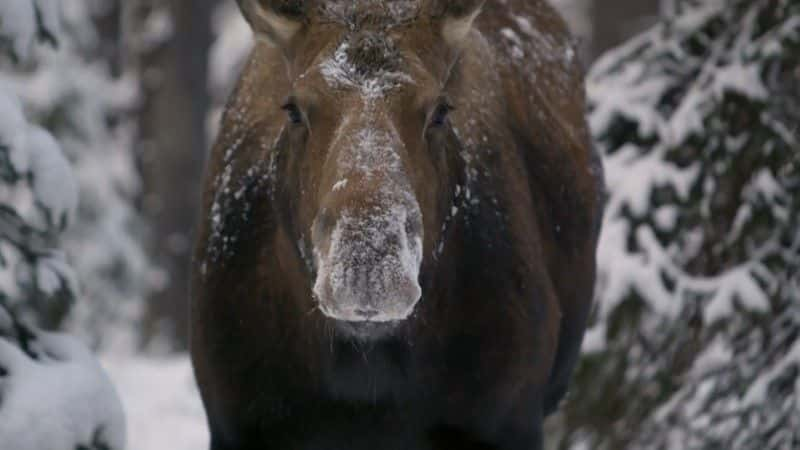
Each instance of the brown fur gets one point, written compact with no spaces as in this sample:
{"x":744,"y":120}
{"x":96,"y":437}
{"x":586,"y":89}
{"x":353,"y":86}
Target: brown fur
{"x":491,"y":346}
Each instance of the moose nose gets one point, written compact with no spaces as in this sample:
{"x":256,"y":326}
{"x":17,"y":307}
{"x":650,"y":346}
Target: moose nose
{"x":368,"y":253}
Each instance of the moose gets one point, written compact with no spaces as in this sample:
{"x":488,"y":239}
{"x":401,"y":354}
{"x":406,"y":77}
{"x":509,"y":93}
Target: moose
{"x":401,"y":213}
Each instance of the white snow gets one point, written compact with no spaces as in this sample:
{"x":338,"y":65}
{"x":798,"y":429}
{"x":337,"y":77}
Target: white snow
{"x":158,"y":28}
{"x":13,"y":130}
{"x":53,"y":180}
{"x":161,"y":402}
{"x":736,"y":285}
{"x":18,"y":24}
{"x":51,"y":11}
{"x":757,"y":392}
{"x":56,"y":403}
{"x":35,"y":155}
{"x":53,"y":272}
{"x":339,"y":185}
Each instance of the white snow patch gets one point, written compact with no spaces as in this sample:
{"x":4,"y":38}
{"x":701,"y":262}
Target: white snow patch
{"x":737,"y":284}
{"x":53,"y":180}
{"x":161,"y":401}
{"x":51,"y":15}
{"x":57,"y":403}
{"x":341,"y":184}
{"x":511,"y":35}
{"x":157,"y":29}
{"x":18,"y":24}
{"x":13,"y":130}
{"x":757,"y":393}
{"x":54,"y":273}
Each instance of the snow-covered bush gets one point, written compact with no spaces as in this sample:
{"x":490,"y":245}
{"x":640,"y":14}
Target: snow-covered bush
{"x":696,"y":339}
{"x":53,"y":394}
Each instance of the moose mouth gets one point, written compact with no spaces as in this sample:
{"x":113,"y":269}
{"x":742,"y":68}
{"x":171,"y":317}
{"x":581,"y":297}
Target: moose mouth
{"x":366,"y":330}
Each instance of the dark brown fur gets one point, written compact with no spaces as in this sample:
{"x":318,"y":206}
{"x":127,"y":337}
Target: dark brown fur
{"x":492,"y":344}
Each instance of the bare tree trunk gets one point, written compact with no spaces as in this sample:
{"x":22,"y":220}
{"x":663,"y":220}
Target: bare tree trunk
{"x":173,"y":150}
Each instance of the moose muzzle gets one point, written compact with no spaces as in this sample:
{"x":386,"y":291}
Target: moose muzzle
{"x":368,"y":259}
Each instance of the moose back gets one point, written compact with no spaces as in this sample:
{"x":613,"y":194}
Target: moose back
{"x":397,"y":250}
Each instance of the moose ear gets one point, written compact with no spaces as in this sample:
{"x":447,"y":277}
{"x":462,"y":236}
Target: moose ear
{"x":275,"y":21}
{"x":455,"y":17}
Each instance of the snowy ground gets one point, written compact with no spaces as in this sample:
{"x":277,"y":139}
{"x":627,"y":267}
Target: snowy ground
{"x":161,"y":402}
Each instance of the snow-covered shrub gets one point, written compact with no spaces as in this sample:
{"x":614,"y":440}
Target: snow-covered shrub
{"x":53,"y":394}
{"x":696,"y":339}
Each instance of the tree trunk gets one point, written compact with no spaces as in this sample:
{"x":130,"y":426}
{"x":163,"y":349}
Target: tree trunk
{"x":173,"y":151}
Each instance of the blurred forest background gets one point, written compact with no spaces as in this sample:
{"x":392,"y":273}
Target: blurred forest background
{"x":108,"y":109}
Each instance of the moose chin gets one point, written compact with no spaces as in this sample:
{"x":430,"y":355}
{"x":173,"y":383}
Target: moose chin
{"x":401,"y":212}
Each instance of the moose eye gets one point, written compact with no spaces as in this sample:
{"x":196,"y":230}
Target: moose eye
{"x":439,"y":115}
{"x":294,"y":113}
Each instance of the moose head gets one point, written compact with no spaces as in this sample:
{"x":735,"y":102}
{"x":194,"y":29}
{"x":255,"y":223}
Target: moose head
{"x":369,"y":150}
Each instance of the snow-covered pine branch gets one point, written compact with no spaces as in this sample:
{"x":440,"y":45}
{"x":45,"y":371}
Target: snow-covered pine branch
{"x":69,"y":90}
{"x":56,"y":146}
{"x":38,"y":193}
{"x":695,"y":343}
{"x":54,"y":395}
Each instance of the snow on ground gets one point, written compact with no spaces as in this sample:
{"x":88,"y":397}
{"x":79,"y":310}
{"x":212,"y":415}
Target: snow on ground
{"x":63,"y":392}
{"x":161,"y":402}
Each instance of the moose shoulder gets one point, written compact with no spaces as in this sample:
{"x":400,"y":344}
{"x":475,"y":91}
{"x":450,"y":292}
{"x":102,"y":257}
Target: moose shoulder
{"x":401,"y":216}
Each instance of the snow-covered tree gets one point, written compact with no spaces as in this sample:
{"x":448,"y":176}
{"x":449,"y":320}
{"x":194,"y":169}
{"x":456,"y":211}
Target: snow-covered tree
{"x":68,"y":89}
{"x":695,"y":343}
{"x":53,"y":394}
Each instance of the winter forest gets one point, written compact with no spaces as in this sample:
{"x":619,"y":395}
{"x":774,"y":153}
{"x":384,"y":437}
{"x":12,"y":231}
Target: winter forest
{"x":108,"y":109}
